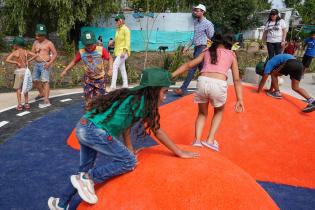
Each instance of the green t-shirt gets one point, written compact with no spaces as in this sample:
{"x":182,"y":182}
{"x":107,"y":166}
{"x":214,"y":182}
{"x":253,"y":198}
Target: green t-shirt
{"x":122,"y":118}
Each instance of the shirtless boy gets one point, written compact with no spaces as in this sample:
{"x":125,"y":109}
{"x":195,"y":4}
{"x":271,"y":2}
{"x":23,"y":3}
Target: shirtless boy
{"x":47,"y":54}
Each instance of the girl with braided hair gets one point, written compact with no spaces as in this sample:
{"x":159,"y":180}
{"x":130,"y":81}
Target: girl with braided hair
{"x":109,"y":117}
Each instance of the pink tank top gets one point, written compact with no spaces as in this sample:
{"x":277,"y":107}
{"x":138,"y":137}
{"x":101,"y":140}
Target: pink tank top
{"x":224,"y":61}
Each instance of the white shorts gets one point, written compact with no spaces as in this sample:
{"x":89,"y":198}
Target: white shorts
{"x":211,"y":90}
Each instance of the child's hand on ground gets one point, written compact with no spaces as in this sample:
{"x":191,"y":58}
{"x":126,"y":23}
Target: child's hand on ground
{"x":188,"y":154}
{"x":239,"y":106}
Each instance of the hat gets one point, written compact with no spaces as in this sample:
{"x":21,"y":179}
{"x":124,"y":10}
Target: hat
{"x":200,"y":6}
{"x":274,"y":12}
{"x":119,"y":16}
{"x":154,"y":77}
{"x":88,"y":37}
{"x":41,"y":29}
{"x":19,"y":41}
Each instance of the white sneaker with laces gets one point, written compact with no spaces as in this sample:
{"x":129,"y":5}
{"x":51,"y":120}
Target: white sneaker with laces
{"x":44,"y":105}
{"x":85,"y":188}
{"x":53,"y":204}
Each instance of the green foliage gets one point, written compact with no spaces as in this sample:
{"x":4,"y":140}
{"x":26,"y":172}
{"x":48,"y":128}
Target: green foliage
{"x":20,"y":17}
{"x":228,"y":15}
{"x":4,"y":47}
{"x":306,"y":10}
{"x":292,"y":3}
{"x":173,"y":61}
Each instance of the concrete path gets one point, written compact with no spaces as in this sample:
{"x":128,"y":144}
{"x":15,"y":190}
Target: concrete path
{"x":8,"y":100}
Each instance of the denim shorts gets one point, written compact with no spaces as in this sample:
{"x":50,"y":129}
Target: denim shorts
{"x":40,"y":73}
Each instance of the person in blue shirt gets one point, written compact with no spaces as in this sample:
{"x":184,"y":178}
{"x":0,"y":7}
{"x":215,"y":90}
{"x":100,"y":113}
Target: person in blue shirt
{"x":285,"y":64}
{"x":309,"y":51}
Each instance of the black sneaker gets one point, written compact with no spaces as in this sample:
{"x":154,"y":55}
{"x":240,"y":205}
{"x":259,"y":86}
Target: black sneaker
{"x":274,"y":94}
{"x":310,"y":107}
{"x":38,"y":97}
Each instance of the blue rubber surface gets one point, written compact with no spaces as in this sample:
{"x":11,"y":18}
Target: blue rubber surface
{"x":36,"y":163}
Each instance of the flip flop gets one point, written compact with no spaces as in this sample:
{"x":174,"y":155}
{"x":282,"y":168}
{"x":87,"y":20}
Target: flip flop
{"x":214,"y":146}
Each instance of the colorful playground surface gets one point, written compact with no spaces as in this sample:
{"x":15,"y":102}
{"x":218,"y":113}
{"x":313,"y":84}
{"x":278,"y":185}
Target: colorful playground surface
{"x":266,"y":159}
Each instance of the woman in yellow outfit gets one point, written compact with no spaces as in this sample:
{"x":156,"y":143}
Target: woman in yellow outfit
{"x":122,"y":51}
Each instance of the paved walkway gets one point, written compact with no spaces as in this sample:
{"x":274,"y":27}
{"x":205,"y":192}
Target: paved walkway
{"x":8,"y":100}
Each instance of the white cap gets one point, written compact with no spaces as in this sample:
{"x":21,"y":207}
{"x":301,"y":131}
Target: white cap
{"x":200,"y":6}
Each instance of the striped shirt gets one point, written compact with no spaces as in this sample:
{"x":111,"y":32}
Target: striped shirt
{"x":203,"y":30}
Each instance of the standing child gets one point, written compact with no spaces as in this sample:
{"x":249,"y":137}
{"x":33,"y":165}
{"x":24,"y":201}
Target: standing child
{"x":109,"y":117}
{"x":93,"y":56}
{"x":212,"y":86}
{"x":19,"y":58}
{"x":291,"y":47}
{"x":309,"y":51}
{"x":47,"y":54}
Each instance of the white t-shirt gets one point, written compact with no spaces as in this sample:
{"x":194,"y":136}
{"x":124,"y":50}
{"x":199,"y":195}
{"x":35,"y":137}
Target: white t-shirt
{"x":275,"y":31}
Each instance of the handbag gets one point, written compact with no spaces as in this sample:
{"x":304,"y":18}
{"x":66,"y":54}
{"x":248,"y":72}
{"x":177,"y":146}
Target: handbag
{"x":27,"y":81}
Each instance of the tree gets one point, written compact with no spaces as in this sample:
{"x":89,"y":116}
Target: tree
{"x":292,"y":3}
{"x":66,"y":16}
{"x":227,"y":15}
{"x":306,"y":10}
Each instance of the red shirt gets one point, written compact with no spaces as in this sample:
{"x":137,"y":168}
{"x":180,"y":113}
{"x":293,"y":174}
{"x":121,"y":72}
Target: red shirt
{"x":290,"y":49}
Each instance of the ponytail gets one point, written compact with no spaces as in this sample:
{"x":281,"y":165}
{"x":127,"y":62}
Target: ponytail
{"x":218,"y":39}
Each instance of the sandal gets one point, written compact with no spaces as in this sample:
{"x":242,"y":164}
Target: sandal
{"x":19,"y":107}
{"x":27,"y":106}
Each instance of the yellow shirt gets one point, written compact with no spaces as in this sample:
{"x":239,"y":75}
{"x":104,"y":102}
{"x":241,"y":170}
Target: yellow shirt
{"x":122,"y":40}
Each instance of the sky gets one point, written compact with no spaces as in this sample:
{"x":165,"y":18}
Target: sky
{"x":277,"y":4}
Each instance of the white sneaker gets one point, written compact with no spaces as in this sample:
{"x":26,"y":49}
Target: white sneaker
{"x":44,"y":105}
{"x":85,"y":188}
{"x":53,"y":204}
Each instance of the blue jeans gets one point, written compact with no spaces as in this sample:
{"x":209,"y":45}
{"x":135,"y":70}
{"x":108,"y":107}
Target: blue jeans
{"x":93,"y":140}
{"x":191,"y":72}
{"x":40,"y":73}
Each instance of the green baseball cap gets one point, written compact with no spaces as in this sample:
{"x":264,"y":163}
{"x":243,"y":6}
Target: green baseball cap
{"x":88,"y":37}
{"x":155,"y":77}
{"x":119,"y":16}
{"x":19,"y":41}
{"x":41,"y":29}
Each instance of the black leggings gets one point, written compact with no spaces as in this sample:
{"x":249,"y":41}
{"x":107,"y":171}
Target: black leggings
{"x":273,"y":49}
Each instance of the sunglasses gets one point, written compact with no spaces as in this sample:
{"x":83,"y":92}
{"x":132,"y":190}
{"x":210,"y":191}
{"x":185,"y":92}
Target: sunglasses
{"x":273,"y":14}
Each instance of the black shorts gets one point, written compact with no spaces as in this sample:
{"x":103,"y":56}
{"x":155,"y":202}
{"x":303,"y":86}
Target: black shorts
{"x":294,"y":68}
{"x":307,"y":60}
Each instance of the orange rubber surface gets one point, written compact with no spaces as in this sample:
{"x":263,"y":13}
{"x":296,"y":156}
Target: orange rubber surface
{"x":162,"y":181}
{"x":272,"y":140}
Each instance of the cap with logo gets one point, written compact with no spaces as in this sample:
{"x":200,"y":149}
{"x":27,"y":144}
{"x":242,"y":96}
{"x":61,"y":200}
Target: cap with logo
{"x":200,"y":6}
{"x":41,"y":29}
{"x":19,"y":41}
{"x":119,"y":17}
{"x":88,"y":38}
